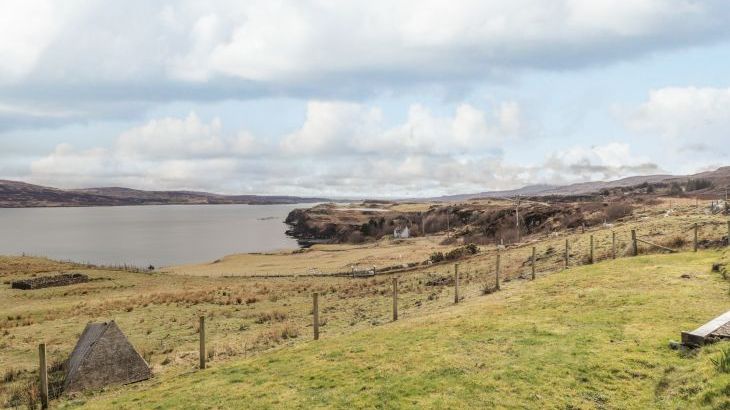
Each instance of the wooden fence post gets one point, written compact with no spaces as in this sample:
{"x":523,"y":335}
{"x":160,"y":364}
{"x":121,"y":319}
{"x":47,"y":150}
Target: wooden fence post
{"x":592,"y":259}
{"x":567,"y":254}
{"x":496,"y":274}
{"x":395,"y":299}
{"x":456,"y":283}
{"x":43,"y":375}
{"x":533,"y":262}
{"x":613,"y":245}
{"x":696,"y":228}
{"x":202,"y":342}
{"x":315,"y":315}
{"x":634,"y":243}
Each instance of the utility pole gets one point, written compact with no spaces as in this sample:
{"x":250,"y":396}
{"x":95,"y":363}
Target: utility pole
{"x":448,"y":224}
{"x":517,"y":217}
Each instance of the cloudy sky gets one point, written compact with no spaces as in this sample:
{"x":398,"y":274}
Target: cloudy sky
{"x":345,"y":98}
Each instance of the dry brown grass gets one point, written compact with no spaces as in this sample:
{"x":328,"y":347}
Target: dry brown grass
{"x":319,"y":259}
{"x":159,"y":312}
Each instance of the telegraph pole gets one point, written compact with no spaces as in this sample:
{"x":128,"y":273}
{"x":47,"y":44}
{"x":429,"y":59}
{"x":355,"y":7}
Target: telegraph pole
{"x":448,"y":225}
{"x":517,"y":217}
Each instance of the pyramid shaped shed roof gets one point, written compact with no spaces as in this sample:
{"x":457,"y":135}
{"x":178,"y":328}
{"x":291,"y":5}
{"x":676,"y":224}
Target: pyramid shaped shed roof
{"x":104,"y":356}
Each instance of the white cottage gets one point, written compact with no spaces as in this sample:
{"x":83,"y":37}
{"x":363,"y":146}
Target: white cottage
{"x":401,"y":232}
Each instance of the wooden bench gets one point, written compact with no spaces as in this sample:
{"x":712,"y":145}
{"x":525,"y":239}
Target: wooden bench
{"x":717,"y":327}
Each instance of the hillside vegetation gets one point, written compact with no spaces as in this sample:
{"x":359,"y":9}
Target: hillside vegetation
{"x":588,"y":337}
{"x":258,"y":309}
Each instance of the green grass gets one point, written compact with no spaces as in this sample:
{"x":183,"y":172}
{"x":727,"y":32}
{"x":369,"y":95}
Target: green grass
{"x":590,"y":337}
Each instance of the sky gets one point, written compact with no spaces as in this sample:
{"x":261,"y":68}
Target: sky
{"x":360,"y":98}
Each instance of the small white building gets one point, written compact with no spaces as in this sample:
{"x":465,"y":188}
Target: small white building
{"x":401,"y":233}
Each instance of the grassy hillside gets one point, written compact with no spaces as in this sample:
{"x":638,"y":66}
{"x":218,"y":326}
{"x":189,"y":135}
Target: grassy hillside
{"x":590,"y":337}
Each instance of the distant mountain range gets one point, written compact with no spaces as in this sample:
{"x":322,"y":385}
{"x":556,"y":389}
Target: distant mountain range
{"x":14,"y":194}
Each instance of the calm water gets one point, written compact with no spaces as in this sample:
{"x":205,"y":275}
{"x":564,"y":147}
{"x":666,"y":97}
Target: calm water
{"x":144,"y":235}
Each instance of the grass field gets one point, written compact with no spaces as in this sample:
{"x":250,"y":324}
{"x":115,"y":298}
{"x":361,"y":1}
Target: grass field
{"x":261,"y":319}
{"x":318,"y":259}
{"x":589,"y":337}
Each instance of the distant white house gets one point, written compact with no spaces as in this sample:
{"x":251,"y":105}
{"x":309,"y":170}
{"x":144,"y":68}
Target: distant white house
{"x":401,"y":232}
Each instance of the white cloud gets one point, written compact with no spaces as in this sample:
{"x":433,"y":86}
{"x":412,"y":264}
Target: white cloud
{"x":341,"y":149}
{"x":26,"y":29}
{"x":333,"y":127}
{"x":153,"y":50}
{"x":601,"y":162}
{"x":689,"y":124}
{"x":182,"y":138}
{"x":350,"y":128}
{"x":684,"y":113}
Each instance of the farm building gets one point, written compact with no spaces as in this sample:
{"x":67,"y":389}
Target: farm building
{"x":401,"y":232}
{"x":103,"y":356}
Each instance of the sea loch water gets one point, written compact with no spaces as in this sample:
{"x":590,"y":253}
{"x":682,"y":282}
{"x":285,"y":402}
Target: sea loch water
{"x":143,"y":235}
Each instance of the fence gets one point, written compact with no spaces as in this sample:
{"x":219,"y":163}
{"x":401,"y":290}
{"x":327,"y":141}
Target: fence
{"x":402,"y":294}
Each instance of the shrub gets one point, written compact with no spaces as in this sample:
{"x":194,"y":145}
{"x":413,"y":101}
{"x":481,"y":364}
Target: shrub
{"x":697,"y":184}
{"x":617,"y":210}
{"x":675,"y":242}
{"x":27,"y":395}
{"x":722,"y":363}
{"x":273,"y":316}
{"x":276,"y":334}
{"x":10,"y":375}
{"x":436,"y":257}
{"x":356,"y":237}
{"x":461,"y":251}
{"x":675,"y":189}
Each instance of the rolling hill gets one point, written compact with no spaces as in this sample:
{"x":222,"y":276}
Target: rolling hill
{"x":590,"y":337}
{"x":15,"y":194}
{"x":720,"y":179}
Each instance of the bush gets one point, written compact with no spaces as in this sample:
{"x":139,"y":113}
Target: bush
{"x":435,"y":223}
{"x":273,"y":316}
{"x":697,"y":184}
{"x":722,"y":363}
{"x":617,"y":210}
{"x":278,"y":333}
{"x":436,"y":257}
{"x":675,"y":242}
{"x":676,"y":189}
{"x":460,"y":252}
{"x":356,"y":237}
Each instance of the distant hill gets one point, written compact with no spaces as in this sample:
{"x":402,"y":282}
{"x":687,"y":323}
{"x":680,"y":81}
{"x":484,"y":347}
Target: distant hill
{"x":720,"y":179}
{"x":15,"y":194}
